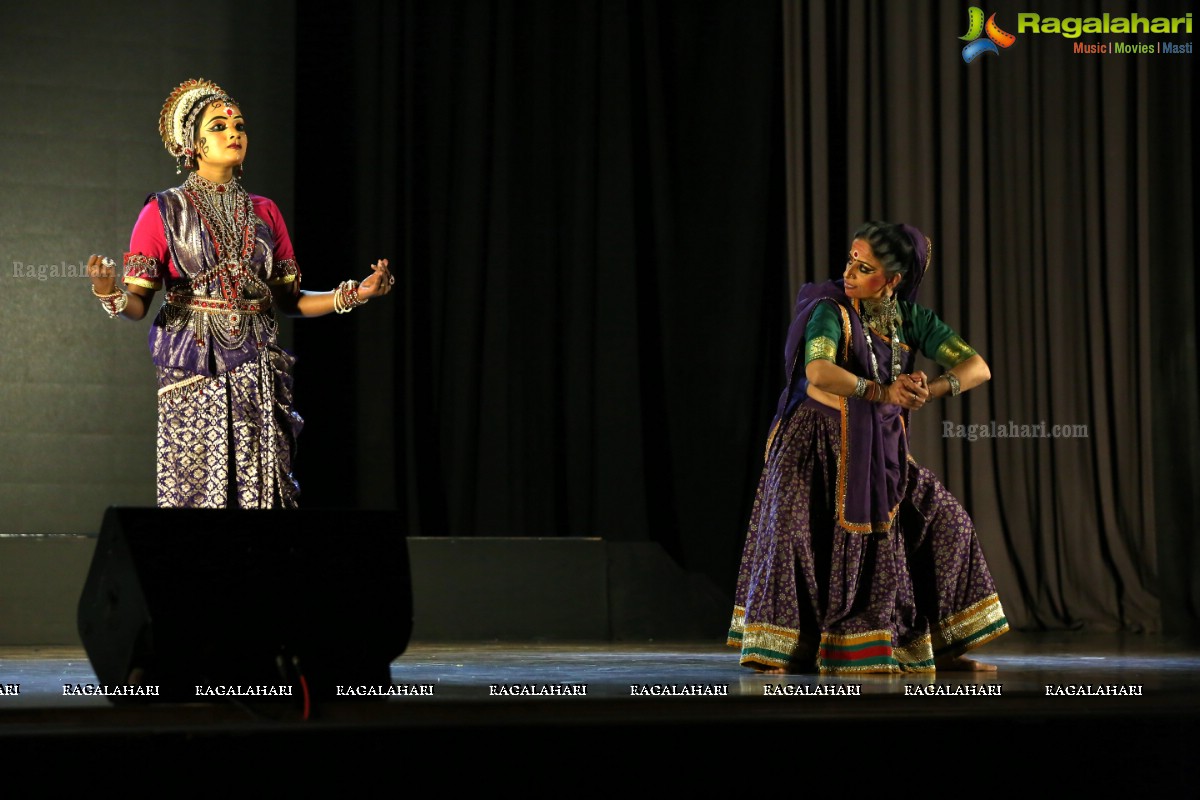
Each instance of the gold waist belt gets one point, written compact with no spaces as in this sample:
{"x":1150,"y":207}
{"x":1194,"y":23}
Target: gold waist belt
{"x":215,"y":305}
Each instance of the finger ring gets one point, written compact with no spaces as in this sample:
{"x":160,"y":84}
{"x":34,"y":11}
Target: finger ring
{"x":108,"y":262}
{"x":391,"y":279}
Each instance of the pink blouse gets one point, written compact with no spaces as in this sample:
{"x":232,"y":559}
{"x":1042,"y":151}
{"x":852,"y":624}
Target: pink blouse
{"x":148,"y":251}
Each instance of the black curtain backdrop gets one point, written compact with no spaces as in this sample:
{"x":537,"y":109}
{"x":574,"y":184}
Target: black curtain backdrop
{"x":583,"y":202}
{"x":599,"y":213}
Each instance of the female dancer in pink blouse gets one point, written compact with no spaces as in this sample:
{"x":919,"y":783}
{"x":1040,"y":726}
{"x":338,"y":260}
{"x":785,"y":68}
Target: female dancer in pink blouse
{"x":222,"y":256}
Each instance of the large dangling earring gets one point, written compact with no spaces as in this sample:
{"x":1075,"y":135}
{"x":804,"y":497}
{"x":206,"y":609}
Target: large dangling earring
{"x":237,"y":171}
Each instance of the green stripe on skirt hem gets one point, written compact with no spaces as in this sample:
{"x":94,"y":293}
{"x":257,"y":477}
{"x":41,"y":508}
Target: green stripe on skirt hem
{"x":980,"y":637}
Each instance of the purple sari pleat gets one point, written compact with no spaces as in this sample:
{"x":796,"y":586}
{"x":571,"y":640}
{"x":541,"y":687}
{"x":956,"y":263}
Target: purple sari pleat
{"x":227,"y":425}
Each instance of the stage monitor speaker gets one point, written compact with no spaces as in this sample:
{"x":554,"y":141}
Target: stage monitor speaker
{"x":219,"y":599}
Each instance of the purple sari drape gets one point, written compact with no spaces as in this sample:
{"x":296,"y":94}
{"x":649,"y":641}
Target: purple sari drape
{"x":227,"y":426}
{"x":873,"y":464}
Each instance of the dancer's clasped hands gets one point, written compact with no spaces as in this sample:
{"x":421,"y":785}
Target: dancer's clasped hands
{"x":910,"y":391}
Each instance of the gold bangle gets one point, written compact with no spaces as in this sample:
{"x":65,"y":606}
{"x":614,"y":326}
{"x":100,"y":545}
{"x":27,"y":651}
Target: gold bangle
{"x":112,"y":294}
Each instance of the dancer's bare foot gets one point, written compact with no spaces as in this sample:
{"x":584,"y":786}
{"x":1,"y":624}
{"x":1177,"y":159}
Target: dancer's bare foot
{"x":962,"y":664}
{"x":771,"y":670}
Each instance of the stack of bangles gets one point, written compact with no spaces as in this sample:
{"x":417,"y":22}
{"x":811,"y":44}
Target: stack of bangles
{"x":114,"y":303}
{"x":870,"y":391}
{"x":345,"y":297}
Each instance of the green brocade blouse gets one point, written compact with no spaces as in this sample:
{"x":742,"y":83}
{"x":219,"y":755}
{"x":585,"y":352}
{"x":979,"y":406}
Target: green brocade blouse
{"x":918,"y":326}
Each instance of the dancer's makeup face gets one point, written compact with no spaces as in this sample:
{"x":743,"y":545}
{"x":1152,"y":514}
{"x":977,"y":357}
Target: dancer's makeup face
{"x":221,"y":139}
{"x":865,"y":277}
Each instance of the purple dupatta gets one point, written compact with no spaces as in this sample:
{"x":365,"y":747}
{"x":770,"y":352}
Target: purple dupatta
{"x":872,"y":466}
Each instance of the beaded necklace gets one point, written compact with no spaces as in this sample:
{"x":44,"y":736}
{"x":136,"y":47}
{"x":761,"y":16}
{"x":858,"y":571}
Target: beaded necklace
{"x":228,"y":214}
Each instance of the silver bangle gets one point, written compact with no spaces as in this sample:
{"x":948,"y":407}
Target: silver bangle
{"x":860,"y":388}
{"x":955,"y":387}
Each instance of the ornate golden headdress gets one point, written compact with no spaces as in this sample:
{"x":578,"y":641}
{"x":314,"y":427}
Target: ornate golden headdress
{"x":177,"y":120}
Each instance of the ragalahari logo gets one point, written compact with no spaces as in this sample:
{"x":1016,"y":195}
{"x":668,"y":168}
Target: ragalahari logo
{"x":996,"y":38}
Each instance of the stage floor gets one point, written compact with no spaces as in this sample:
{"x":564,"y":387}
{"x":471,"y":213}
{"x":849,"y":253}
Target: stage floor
{"x":1112,"y":702}
{"x":1114,"y":669}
